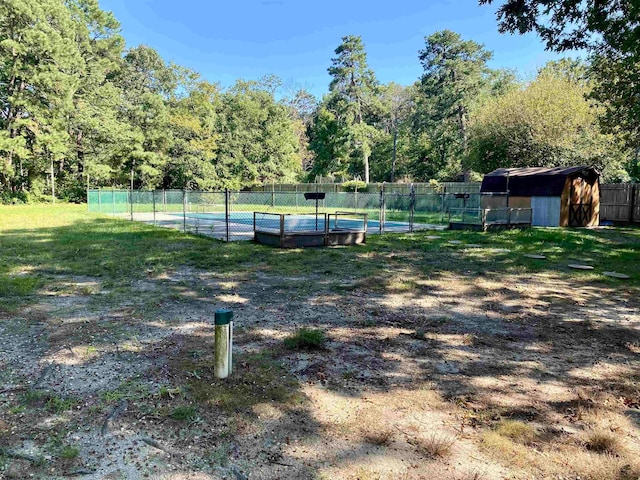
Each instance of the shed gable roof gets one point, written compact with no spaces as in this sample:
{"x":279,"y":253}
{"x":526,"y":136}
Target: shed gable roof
{"x":534,"y":182}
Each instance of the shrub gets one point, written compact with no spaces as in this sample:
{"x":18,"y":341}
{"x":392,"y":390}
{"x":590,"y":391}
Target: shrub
{"x":353,"y":185}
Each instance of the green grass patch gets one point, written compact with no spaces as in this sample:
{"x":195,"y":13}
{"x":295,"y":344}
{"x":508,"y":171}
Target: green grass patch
{"x":18,"y":286}
{"x":184,"y":412}
{"x":59,"y":405}
{"x":257,"y":378}
{"x":132,"y":389}
{"x":47,"y":401}
{"x":306,"y":339}
{"x":69,"y":452}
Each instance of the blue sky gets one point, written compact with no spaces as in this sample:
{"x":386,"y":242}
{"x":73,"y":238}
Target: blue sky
{"x":295,"y":39}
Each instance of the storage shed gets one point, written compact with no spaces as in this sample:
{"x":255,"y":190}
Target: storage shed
{"x":563,"y":196}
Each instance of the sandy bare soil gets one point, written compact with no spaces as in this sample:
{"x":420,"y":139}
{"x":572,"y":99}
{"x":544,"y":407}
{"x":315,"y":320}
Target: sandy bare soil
{"x":446,"y":377}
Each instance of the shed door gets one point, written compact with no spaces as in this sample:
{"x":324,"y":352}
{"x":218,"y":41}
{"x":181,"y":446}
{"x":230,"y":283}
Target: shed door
{"x":580,"y":206}
{"x":546,"y":211}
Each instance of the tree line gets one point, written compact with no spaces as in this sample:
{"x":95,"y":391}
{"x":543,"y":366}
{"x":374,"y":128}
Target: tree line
{"x":79,"y":109}
{"x":461,"y":118}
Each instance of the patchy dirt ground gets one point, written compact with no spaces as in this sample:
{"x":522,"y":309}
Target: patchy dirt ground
{"x":447,"y":376}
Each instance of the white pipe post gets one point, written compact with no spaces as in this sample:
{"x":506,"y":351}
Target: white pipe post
{"x":223,"y":364}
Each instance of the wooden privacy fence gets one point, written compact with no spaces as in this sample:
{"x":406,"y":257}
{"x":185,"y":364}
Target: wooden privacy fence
{"x":620,"y":202}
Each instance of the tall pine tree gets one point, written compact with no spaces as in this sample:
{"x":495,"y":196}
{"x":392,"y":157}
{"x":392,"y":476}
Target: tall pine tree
{"x":455,"y":72}
{"x":353,"y":99}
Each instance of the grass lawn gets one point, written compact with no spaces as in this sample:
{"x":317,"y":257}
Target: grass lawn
{"x":408,"y":358}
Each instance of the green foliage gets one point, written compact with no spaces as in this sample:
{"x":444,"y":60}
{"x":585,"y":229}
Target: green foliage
{"x":39,"y":71}
{"x":354,"y":185}
{"x":609,"y":32}
{"x":548,"y":123}
{"x":59,"y":405}
{"x":50,"y":402}
{"x":195,"y":143}
{"x":615,"y":84}
{"x":19,"y":285}
{"x":455,"y":73}
{"x":258,"y":143}
{"x":570,"y":24}
{"x":80,"y":109}
{"x":306,"y":339}
{"x":350,"y":112}
{"x":328,"y":140}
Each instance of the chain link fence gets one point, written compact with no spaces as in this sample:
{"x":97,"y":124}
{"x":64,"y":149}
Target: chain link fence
{"x":229,"y":215}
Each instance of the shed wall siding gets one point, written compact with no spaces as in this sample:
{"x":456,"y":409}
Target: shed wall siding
{"x":520,"y":202}
{"x":546,"y":211}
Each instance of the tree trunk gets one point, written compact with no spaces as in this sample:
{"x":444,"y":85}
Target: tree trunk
{"x":53,"y":184}
{"x":462,"y":119}
{"x":366,"y":169}
{"x":80,"y":155}
{"x":393,"y":155}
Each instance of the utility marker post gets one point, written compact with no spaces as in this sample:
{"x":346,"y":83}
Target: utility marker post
{"x":223,"y":365}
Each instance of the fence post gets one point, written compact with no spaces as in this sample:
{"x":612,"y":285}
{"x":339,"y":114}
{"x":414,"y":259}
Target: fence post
{"x":356,"y":196}
{"x":184,"y":211}
{"x":226,"y":211}
{"x":113,"y":200}
{"x":632,"y":199}
{"x":444,"y":194}
{"x":412,"y":206}
{"x":153,"y":196}
{"x":164,"y":200}
{"x":381,"y":215}
{"x":100,"y":201}
{"x":131,"y":203}
{"x":282,"y":229}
